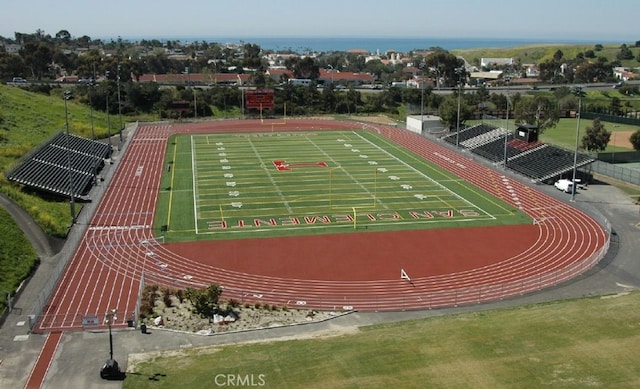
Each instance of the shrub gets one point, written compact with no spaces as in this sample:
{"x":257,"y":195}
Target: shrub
{"x":180,"y":295}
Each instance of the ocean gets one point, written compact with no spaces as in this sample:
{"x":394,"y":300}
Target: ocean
{"x":372,"y":44}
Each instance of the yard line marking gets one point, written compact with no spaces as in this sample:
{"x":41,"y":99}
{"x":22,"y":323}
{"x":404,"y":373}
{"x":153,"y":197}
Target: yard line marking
{"x":173,"y":173}
{"x":194,"y":184}
{"x":339,"y":166}
{"x":273,"y":182}
{"x":425,"y":176}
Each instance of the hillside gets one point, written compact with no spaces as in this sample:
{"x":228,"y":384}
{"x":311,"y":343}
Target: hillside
{"x":543,"y":52}
{"x":27,"y":119}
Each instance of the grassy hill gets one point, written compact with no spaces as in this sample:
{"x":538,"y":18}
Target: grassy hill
{"x":543,"y":52}
{"x":28,"y":119}
{"x":17,"y":257}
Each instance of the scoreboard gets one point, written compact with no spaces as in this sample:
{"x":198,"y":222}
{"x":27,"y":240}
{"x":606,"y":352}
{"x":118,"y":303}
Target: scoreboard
{"x":259,"y":99}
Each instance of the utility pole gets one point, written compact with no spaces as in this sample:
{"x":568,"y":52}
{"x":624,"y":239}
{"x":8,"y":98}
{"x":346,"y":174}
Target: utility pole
{"x":506,"y":135}
{"x":67,"y":95}
{"x":119,"y":105}
{"x":580,"y":93}
{"x":108,"y":115}
{"x":459,"y":71}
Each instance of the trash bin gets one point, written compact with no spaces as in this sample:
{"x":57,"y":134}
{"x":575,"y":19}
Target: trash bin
{"x":131,"y":323}
{"x":143,"y":328}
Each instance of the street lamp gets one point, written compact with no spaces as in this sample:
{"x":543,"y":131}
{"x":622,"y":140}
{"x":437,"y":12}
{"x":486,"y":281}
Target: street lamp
{"x":110,"y":369}
{"x":459,"y":71}
{"x":580,"y":93}
{"x":67,"y":95}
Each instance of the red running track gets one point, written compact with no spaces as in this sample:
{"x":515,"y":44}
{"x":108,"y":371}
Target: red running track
{"x":41,"y":367}
{"x":347,"y":271}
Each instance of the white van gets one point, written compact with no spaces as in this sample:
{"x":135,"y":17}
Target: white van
{"x":300,"y":81}
{"x":564,"y":185}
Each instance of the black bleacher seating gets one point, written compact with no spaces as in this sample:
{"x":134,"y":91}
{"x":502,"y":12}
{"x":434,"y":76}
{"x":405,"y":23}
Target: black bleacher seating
{"x":535,"y":160}
{"x":546,"y":161}
{"x":494,"y":151}
{"x":63,"y":161}
{"x":468,"y":133}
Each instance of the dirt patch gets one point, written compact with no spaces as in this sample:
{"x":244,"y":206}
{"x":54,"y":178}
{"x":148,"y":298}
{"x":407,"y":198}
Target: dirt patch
{"x":135,"y":359}
{"x":621,"y":139}
{"x":379,"y":119}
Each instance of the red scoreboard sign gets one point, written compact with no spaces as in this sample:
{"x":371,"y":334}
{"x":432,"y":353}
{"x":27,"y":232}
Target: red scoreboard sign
{"x":259,"y":99}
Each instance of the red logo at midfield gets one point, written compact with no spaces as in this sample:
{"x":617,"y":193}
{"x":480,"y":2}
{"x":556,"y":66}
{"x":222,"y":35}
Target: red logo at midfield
{"x":284,"y":165}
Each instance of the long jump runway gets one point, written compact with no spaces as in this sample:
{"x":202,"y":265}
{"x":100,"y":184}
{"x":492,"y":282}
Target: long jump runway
{"x":358,"y":271}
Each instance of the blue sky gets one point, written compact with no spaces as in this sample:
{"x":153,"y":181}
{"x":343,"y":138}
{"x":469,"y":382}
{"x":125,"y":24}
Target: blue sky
{"x":558,"y":20}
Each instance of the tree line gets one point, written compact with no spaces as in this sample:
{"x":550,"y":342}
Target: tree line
{"x":42,"y":56}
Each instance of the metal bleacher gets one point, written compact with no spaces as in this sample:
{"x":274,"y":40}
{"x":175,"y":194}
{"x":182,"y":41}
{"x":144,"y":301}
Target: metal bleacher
{"x":546,"y":162}
{"x":535,"y":160}
{"x":65,"y":165}
{"x":468,"y":133}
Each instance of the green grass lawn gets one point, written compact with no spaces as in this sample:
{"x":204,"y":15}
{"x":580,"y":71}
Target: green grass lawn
{"x":589,"y":342}
{"x":236,"y":185}
{"x":17,"y":257}
{"x":564,"y":133}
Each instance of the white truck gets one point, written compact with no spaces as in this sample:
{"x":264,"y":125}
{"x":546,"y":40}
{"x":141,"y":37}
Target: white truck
{"x":564,"y":185}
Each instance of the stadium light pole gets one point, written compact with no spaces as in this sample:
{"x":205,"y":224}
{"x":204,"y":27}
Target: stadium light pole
{"x":242,"y":92}
{"x":422,"y":98}
{"x":119,"y":104}
{"x":459,"y":71}
{"x":92,"y":84}
{"x":578,"y":91}
{"x":67,"y":95}
{"x":106,"y":75}
{"x":195,"y":99}
{"x":506,"y":135}
{"x":195,"y":104}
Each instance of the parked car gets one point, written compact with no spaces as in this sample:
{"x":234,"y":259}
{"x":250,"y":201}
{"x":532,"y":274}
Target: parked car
{"x":19,"y":80}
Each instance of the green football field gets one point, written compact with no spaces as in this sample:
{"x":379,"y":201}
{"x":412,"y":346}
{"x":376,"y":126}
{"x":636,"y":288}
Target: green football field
{"x":237,"y":185}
